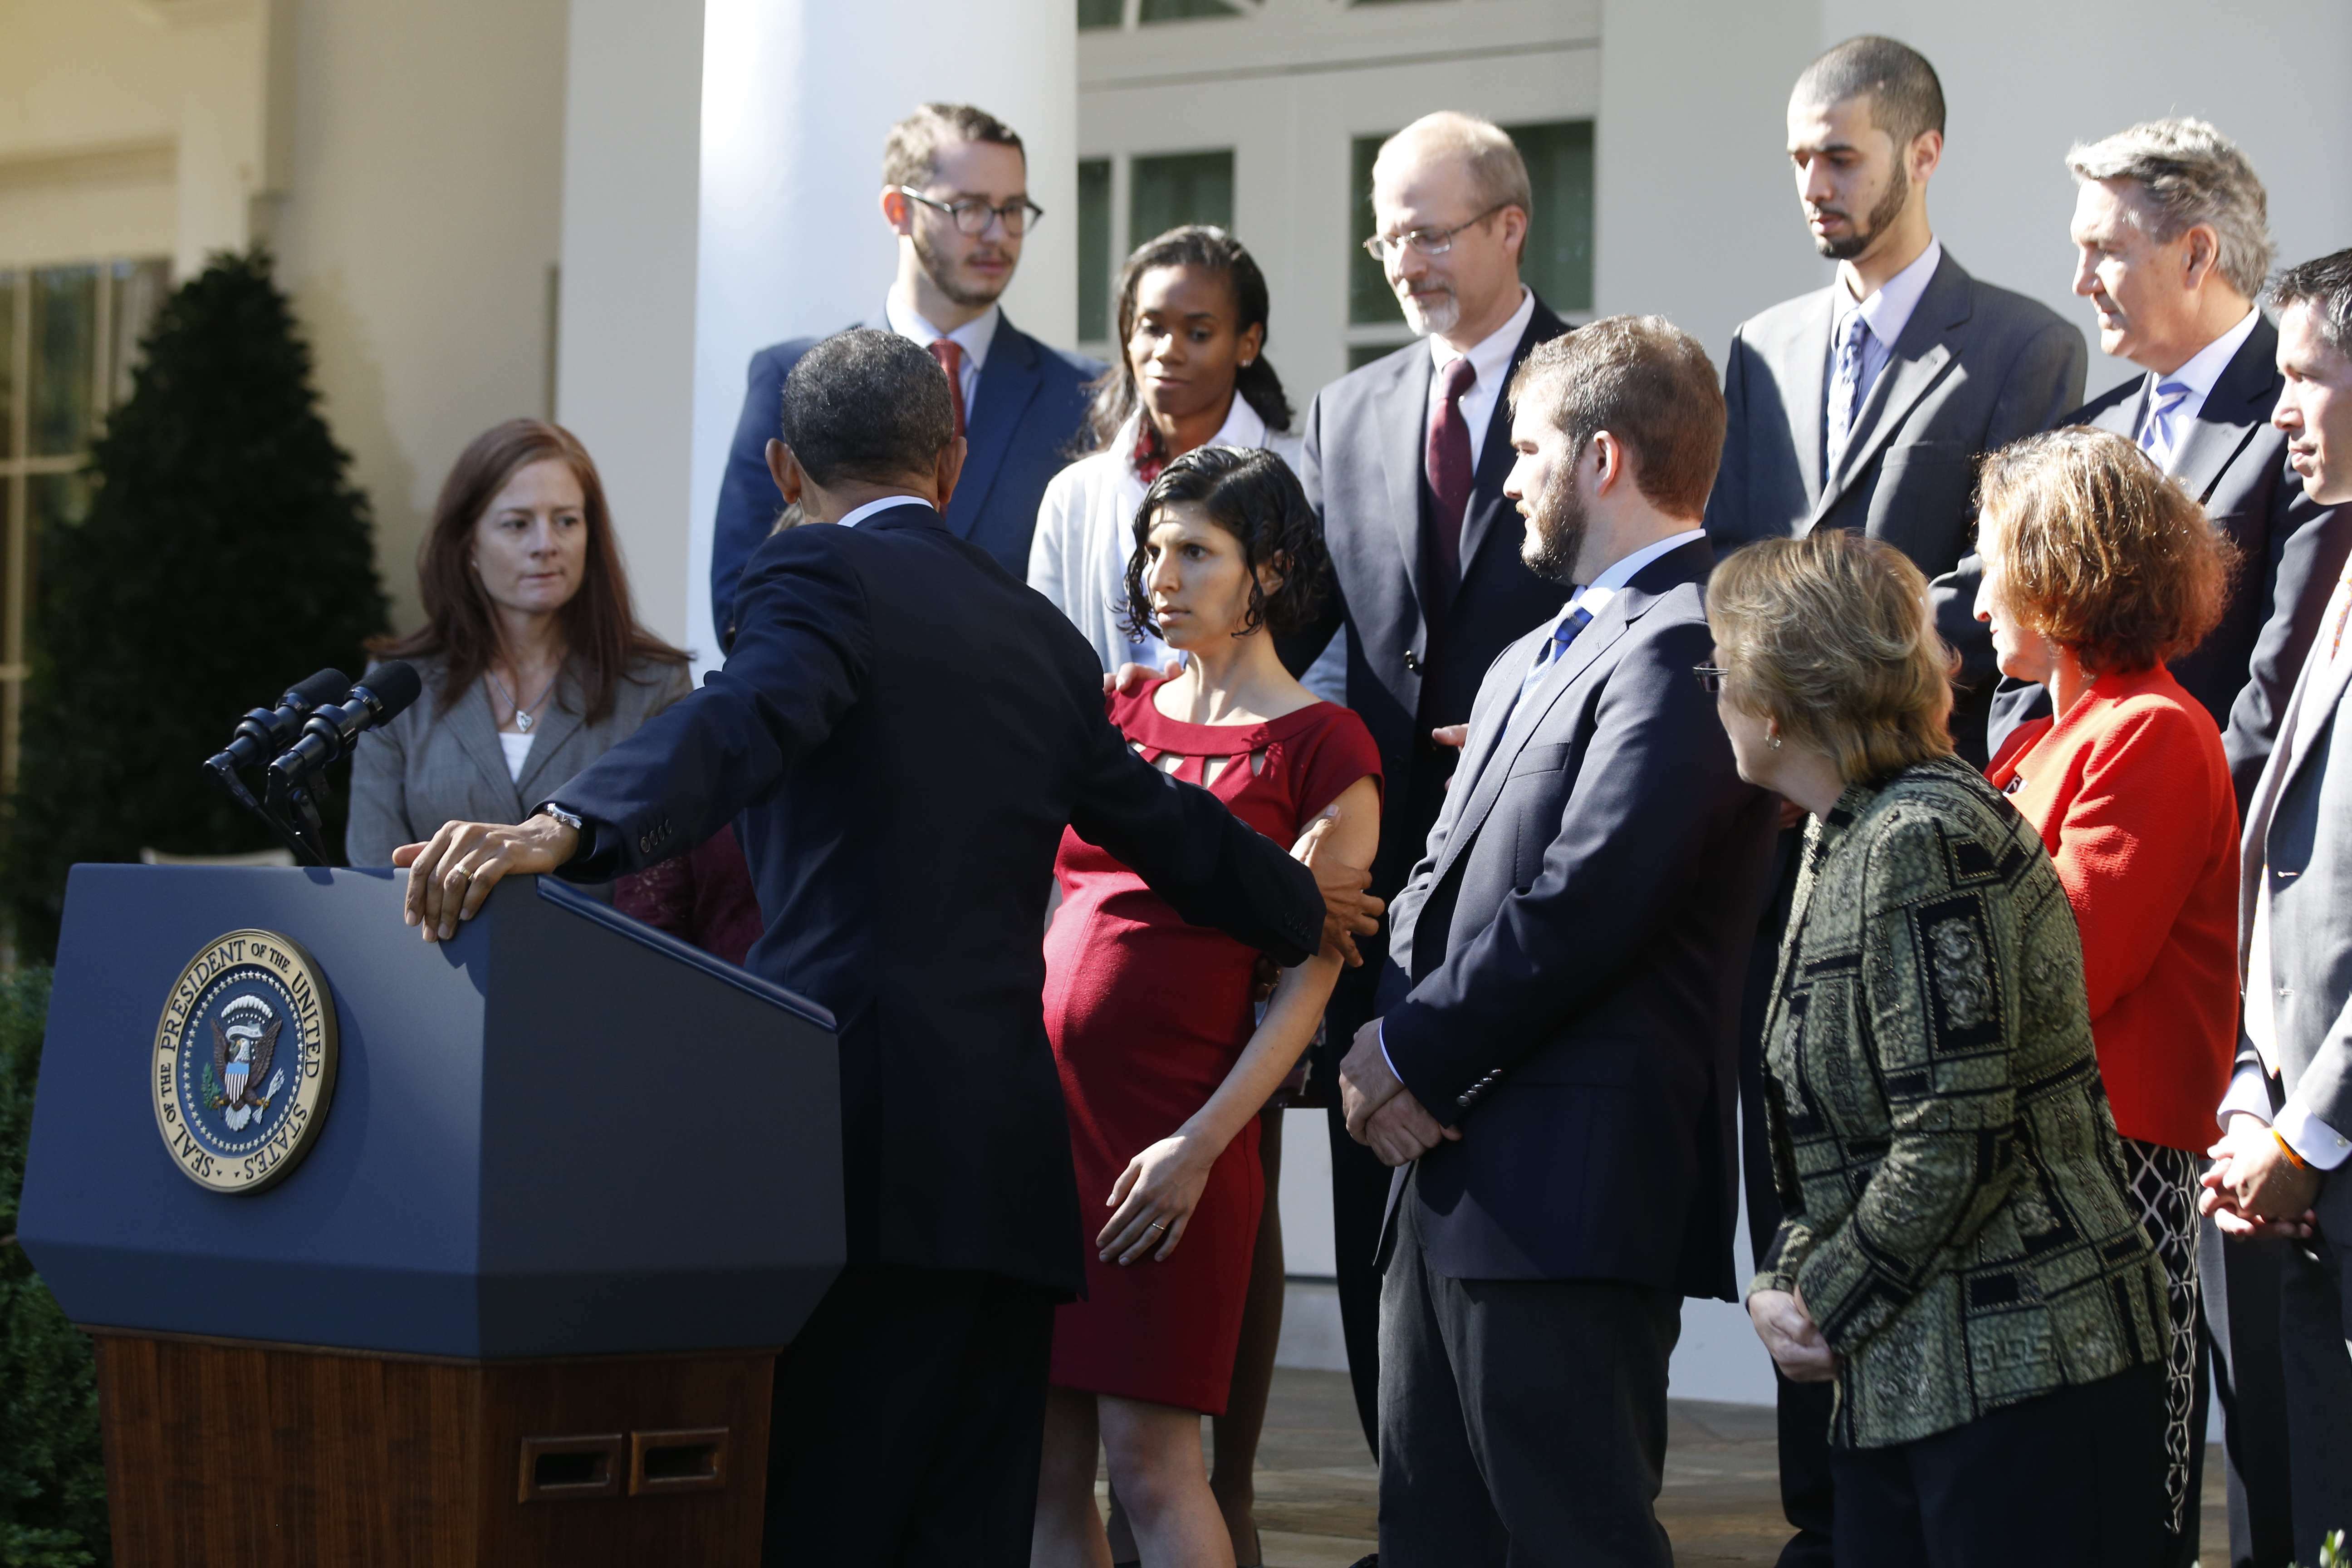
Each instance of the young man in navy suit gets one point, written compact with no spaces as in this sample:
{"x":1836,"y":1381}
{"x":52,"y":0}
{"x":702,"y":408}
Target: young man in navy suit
{"x":955,"y":190}
{"x":1554,"y":1069}
{"x":902,"y":834}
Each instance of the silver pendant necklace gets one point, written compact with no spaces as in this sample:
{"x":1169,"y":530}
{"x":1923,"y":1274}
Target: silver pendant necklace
{"x":524,"y":718}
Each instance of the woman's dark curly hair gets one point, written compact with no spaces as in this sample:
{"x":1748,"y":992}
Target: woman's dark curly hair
{"x":1213,"y":250}
{"x":1254,"y":496}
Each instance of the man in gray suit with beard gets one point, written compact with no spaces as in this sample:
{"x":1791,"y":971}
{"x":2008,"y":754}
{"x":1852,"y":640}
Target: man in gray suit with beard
{"x":1555,"y":1059}
{"x":1866,"y":405}
{"x":2279,"y":1168}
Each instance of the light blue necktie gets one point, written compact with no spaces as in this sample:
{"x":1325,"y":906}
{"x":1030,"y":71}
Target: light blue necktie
{"x":2157,"y":436}
{"x":1845,"y":383}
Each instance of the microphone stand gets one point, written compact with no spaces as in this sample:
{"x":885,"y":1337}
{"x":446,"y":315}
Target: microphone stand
{"x":306,"y":849}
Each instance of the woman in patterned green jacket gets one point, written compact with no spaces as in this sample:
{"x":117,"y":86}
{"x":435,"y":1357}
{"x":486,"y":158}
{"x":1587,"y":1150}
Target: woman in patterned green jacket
{"x":1958,"y":1253}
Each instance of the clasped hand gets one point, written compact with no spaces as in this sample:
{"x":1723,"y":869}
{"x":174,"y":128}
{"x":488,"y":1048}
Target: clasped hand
{"x":1382,"y":1114}
{"x":2253,"y":1188}
{"x":450,"y":874}
{"x":1787,"y":1328}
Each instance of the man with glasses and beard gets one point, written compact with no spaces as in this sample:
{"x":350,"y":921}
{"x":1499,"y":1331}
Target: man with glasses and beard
{"x":955,"y":190}
{"x":1554,"y":1067}
{"x":1404,"y":462}
{"x":1866,"y":405}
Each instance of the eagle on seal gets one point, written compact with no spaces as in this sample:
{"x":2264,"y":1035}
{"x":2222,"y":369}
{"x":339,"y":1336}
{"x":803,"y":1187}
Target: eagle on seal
{"x":242,"y":1053}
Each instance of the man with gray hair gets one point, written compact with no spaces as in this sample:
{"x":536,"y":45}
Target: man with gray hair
{"x":1404,"y":462}
{"x":2172,"y":243}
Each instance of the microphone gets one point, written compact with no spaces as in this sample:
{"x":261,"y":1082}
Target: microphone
{"x":264,"y":732}
{"x":328,"y":733}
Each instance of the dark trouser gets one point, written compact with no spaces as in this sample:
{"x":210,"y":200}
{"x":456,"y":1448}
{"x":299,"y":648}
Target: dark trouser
{"x":2072,"y":1479}
{"x":1360,"y":1195}
{"x":1802,"y":1408}
{"x":1522,"y":1421}
{"x":2316,"y":1349}
{"x":908,"y":1420}
{"x":2240,"y":1283}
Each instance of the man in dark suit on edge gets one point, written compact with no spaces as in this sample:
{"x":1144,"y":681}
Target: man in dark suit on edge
{"x":1866,"y":405}
{"x":955,"y":188}
{"x":902,"y":838}
{"x":1404,"y":462}
{"x":1555,"y":1067}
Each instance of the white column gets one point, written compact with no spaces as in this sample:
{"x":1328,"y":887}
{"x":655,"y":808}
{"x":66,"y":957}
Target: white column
{"x":722,"y":165}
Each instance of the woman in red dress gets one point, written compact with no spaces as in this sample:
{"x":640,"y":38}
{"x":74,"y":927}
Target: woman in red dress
{"x":1164,"y":1065}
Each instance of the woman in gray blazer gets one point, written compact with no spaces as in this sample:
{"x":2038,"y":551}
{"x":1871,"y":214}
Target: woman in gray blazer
{"x":533,"y":661}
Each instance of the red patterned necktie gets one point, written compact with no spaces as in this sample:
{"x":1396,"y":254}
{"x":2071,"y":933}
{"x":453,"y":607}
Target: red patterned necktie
{"x":1449,"y":466}
{"x":1150,"y":458}
{"x":949,"y":353}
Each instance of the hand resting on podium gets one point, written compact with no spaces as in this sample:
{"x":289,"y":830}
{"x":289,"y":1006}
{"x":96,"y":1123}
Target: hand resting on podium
{"x":450,"y":874}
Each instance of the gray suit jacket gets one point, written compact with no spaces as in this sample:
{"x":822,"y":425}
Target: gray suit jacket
{"x":2233,"y":460}
{"x":1975,"y":368}
{"x":1565,"y":963}
{"x":2298,"y":836}
{"x":433,"y":764}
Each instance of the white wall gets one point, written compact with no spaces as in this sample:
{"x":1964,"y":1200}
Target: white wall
{"x":419,"y":222}
{"x":723,"y":169}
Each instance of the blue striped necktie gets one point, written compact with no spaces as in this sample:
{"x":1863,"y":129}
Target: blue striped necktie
{"x":2157,"y":436}
{"x":1562,"y":635}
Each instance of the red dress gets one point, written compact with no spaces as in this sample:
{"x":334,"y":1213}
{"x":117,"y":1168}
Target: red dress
{"x":1147,"y":1014}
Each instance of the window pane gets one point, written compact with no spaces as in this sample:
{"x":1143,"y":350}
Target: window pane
{"x":139,"y":288}
{"x":9,"y":283}
{"x":1369,"y":302}
{"x":1557,"y":263}
{"x":10,"y":649}
{"x":1180,"y":188}
{"x":1099,"y":14}
{"x":1178,"y":10}
{"x":1362,"y":354}
{"x":52,"y":501}
{"x":1094,"y":249}
{"x":63,"y":359}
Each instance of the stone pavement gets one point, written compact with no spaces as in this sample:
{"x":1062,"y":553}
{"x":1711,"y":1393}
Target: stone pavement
{"x":1721,"y":1502}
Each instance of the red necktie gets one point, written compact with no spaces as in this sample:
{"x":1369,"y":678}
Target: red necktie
{"x":1450,"y":469}
{"x":949,"y":353}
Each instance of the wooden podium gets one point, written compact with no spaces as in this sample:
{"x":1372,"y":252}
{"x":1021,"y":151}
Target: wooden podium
{"x":512,"y":1298}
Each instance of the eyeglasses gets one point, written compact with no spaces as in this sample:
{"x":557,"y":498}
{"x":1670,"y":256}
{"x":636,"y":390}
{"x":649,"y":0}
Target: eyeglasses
{"x":971,"y":214}
{"x":1428,"y":241}
{"x":1710,"y":678}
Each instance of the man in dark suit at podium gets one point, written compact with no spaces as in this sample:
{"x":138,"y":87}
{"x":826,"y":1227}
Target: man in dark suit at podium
{"x":901,"y":824}
{"x":955,"y":188}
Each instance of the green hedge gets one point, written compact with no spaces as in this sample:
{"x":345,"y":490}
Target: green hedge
{"x":52,"y":1469}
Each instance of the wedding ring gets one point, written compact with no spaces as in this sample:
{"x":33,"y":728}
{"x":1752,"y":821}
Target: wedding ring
{"x":1161,"y":1225}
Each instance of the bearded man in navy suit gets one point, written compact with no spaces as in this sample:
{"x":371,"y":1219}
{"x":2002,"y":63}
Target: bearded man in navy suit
{"x":955,"y":189}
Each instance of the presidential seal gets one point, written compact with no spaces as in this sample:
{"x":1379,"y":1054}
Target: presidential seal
{"x":245,"y":1062}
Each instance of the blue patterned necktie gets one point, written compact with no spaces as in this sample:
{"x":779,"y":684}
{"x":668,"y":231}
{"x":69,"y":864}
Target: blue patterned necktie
{"x":2157,"y":436}
{"x":1845,"y":383}
{"x":1562,"y":635}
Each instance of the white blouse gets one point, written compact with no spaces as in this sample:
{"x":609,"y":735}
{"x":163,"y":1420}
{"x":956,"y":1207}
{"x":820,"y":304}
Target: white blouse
{"x":1086,"y":532}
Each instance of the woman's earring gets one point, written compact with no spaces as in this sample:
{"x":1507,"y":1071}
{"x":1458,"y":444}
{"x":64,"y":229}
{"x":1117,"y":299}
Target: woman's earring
{"x":1774,"y":739}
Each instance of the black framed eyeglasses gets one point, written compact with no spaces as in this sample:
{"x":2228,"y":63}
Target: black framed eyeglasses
{"x":1383,"y":248}
{"x":1709,"y":678}
{"x":971,"y":214}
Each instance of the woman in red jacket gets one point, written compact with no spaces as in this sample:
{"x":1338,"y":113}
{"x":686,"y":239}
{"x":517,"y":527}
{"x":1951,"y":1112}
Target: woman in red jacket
{"x":2098,"y":569}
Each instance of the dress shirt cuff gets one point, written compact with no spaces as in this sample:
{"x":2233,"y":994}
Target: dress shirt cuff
{"x":2322,"y":1147}
{"x":2249,"y":1095}
{"x":1388,"y":1060}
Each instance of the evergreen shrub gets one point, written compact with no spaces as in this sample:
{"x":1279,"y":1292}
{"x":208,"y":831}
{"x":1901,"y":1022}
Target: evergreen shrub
{"x":52,"y":1469}
{"x":226,"y":556}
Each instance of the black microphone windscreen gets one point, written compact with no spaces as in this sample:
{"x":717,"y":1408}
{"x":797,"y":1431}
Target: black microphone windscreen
{"x":327,"y":685}
{"x":396,"y":685}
